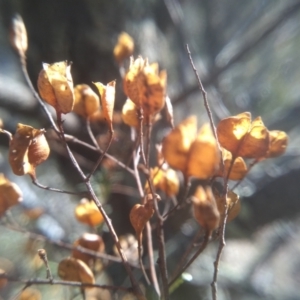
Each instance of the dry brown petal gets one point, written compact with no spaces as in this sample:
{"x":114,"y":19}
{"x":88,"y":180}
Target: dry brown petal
{"x":72,"y":269}
{"x":55,"y":85}
{"x":278,"y":143}
{"x":176,"y":144}
{"x":28,"y":148}
{"x":87,"y":101}
{"x":204,"y":155}
{"x":87,"y":212}
{"x":124,"y":48}
{"x":205,"y":208}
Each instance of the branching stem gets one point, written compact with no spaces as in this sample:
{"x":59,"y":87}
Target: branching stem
{"x":111,"y":137}
{"x":197,"y":253}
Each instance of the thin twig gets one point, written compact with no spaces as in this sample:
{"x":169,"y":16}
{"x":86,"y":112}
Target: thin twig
{"x":186,"y":254}
{"x":43,"y":256}
{"x":36,"y":183}
{"x":249,"y":169}
{"x":39,"y":281}
{"x":148,"y":227}
{"x":222,"y":244}
{"x":60,"y":131}
{"x":204,"y":94}
{"x":151,"y":258}
{"x":160,"y":219}
{"x":107,"y":220}
{"x":148,"y":139}
{"x":224,"y":217}
{"x":70,"y":154}
{"x":141,"y":260}
{"x":111,"y":137}
{"x":197,"y":253}
{"x":90,"y":132}
{"x":36,"y":95}
{"x":9,"y":135}
{"x":137,"y":176}
{"x":179,"y":205}
{"x":162,"y":259}
{"x":72,"y":139}
{"x":35,"y":236}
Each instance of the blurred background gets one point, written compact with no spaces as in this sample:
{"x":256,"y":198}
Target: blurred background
{"x":247,"y":55}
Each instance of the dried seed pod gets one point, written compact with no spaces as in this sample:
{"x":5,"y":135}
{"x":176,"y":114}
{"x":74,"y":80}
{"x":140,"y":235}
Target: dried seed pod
{"x":203,"y":156}
{"x":55,"y":85}
{"x":10,"y":194}
{"x":72,"y":269}
{"x":146,"y":87}
{"x":28,"y":148}
{"x":256,"y":142}
{"x":107,"y":94}
{"x":87,"y":212}
{"x":124,"y":48}
{"x":231,"y":131}
{"x":177,"y":143}
{"x":89,"y":241}
{"x":205,"y":208}
{"x":87,"y":101}
{"x":140,"y":214}
{"x":164,"y":180}
{"x":242,"y":137}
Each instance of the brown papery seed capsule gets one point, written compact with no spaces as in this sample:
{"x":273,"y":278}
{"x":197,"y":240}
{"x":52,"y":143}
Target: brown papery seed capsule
{"x":205,"y":208}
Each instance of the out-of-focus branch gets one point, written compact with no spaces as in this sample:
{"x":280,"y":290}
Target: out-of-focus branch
{"x":38,"y":281}
{"x":245,"y":49}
